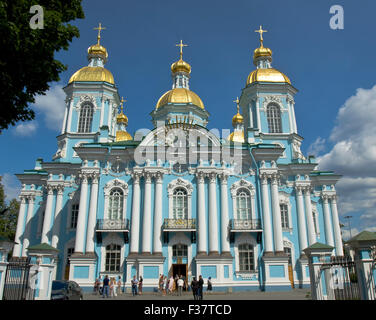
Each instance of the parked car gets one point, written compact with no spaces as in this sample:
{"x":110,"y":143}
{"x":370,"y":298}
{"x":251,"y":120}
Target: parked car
{"x":66,"y":290}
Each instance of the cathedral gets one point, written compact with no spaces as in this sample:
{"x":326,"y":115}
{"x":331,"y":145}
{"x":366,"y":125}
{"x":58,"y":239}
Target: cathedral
{"x":180,"y":199}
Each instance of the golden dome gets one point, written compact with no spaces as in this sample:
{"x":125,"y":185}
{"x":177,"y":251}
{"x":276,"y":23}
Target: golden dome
{"x":236,"y":136}
{"x":123,"y":136}
{"x":97,"y":49}
{"x":180,"y":66}
{"x":97,"y":74}
{"x":267,"y":75}
{"x":180,"y":95}
{"x":122,"y":118}
{"x":262,"y":52}
{"x":238,"y":118}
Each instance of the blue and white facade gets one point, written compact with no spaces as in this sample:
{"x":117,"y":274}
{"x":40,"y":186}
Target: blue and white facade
{"x":180,"y":199}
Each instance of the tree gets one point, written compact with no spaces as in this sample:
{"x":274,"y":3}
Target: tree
{"x":8,"y":215}
{"x":27,"y":63}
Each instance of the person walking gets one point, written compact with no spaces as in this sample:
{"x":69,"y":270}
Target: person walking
{"x":114,"y":287}
{"x":119,"y":286}
{"x":171,"y":284}
{"x":201,"y":287}
{"x":160,"y":283}
{"x":111,"y":287}
{"x":134,"y":283}
{"x":194,"y":286}
{"x":96,"y":286}
{"x":164,"y":286}
{"x":210,"y":287}
{"x":106,"y":286}
{"x":180,"y":285}
{"x":140,"y":285}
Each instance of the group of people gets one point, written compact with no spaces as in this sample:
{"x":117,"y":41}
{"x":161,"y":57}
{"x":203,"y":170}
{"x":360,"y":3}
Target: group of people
{"x":172,"y":285}
{"x":109,"y":287}
{"x":198,"y":287}
{"x":137,"y":285}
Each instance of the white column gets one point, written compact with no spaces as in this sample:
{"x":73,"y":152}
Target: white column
{"x":302,"y":230}
{"x":157,"y":242}
{"x":213,"y":218}
{"x":266,"y":214}
{"x":135,"y":222}
{"x":327,"y":220}
{"x":102,"y":112}
{"x":202,"y":244}
{"x":92,"y":214}
{"x":47,"y":215}
{"x":290,"y":115}
{"x":146,"y":223}
{"x":65,"y":118}
{"x":57,"y":218}
{"x":225,"y":244}
{"x":27,"y":232}
{"x":70,"y":111}
{"x":310,"y":225}
{"x":20,"y":226}
{"x":277,"y":225}
{"x":336,"y":227}
{"x":258,"y":114}
{"x":80,"y":230}
{"x":293,"y":117}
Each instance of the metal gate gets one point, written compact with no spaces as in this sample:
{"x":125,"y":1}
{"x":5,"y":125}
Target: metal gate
{"x":344,"y":278}
{"x":16,"y":285}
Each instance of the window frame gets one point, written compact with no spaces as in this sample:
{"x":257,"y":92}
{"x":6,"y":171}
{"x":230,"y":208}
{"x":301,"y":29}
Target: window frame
{"x":85,"y":118}
{"x":274,"y":118}
{"x":108,"y":260}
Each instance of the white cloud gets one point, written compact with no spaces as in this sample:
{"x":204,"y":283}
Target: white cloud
{"x":12,"y":186}
{"x":52,"y":106}
{"x":316,"y":147}
{"x":25,"y":129}
{"x":354,"y":156}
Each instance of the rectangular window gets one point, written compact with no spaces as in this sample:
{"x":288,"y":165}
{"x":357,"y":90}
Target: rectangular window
{"x":246,"y":262}
{"x":284,"y":216}
{"x":74,"y":216}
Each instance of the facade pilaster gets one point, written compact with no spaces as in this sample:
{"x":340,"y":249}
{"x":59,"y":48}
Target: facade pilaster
{"x":213,"y":218}
{"x":92,"y":213}
{"x":80,"y":230}
{"x":157,"y":243}
{"x":277,"y":225}
{"x":225,"y":244}
{"x":57,"y":216}
{"x":202,"y":243}
{"x":302,"y":230}
{"x":336,"y":227}
{"x":20,"y":226}
{"x":135,"y":222}
{"x":268,"y":238}
{"x":146,"y":225}
{"x":47,"y":215}
{"x":309,"y":216}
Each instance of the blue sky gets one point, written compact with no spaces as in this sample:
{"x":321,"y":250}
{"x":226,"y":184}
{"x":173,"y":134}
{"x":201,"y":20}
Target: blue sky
{"x":326,"y":66}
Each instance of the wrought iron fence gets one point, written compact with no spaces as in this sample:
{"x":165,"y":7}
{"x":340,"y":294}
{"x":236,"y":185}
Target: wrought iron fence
{"x":16,"y":284}
{"x":112,"y":224}
{"x":245,"y":224}
{"x":179,"y":224}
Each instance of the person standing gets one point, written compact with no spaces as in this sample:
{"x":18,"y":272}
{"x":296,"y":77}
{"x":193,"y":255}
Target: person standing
{"x":106,"y":286}
{"x":194,"y":286}
{"x":114,"y":287}
{"x":210,"y":287}
{"x":119,"y":285}
{"x":171,"y":284}
{"x":164,"y":286}
{"x":160,"y":283}
{"x":134,"y":283}
{"x":96,"y":286}
{"x":140,"y":285}
{"x":201,"y":287}
{"x":180,"y":285}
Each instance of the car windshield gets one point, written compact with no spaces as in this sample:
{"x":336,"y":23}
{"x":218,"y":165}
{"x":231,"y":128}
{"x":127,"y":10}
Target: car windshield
{"x":56,"y":285}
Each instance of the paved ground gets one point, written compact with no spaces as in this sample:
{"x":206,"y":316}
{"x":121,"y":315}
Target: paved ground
{"x":295,"y":294}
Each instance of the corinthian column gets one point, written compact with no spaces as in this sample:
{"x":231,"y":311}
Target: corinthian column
{"x":266,"y":214}
{"x":92,"y":214}
{"x":202,"y":244}
{"x":310,"y":224}
{"x":336,"y":227}
{"x":146,"y":225}
{"x":135,"y":222}
{"x":213,"y":218}
{"x":277,"y":224}
{"x":328,"y":222}
{"x":27,"y":232}
{"x":57,"y":218}
{"x":225,"y":245}
{"x":20,"y":226}
{"x":47,"y":215}
{"x":157,"y":243}
{"x":80,"y":230}
{"x":302,"y":231}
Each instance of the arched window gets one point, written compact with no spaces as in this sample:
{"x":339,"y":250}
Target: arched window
{"x":113,"y":258}
{"x":86,"y":117}
{"x":243,"y":204}
{"x":246,"y":257}
{"x":116,"y":204}
{"x":180,"y":251}
{"x":180,"y":204}
{"x":273,"y":114}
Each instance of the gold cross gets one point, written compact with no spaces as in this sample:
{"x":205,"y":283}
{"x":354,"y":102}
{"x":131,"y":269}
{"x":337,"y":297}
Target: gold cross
{"x":237,"y":103}
{"x":100,"y":28}
{"x":260,"y":31}
{"x":181,"y":45}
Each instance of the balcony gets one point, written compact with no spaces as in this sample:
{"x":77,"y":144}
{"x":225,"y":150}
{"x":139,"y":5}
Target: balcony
{"x":112,"y":225}
{"x":245,"y":225}
{"x":176,"y":225}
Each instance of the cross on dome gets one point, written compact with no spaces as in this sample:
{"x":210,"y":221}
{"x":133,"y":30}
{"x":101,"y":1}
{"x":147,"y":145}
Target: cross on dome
{"x":181,"y":45}
{"x":99,"y":28}
{"x":260,"y":32}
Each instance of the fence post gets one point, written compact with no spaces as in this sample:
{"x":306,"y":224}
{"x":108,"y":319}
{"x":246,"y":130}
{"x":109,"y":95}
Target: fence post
{"x":4,"y":250}
{"x":364,"y":246}
{"x":318,"y":254}
{"x":43,"y":258}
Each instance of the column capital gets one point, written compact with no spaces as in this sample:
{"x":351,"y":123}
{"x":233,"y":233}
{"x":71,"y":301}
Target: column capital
{"x":60,"y":189}
{"x":50,"y":189}
{"x":200,"y":177}
{"x":264,"y":178}
{"x":148,"y":176}
{"x":223,"y":177}
{"x":83,"y":177}
{"x":212,"y":177}
{"x":159,"y":177}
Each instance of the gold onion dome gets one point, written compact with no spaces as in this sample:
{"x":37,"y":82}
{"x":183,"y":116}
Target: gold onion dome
{"x":238,"y":118}
{"x":122,"y":120}
{"x":181,"y":65}
{"x":180,"y":95}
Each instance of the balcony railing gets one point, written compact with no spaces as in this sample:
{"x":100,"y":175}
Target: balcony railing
{"x":121,"y":225}
{"x":179,"y":224}
{"x":245,"y":225}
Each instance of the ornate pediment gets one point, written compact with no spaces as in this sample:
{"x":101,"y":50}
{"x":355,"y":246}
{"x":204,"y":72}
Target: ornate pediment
{"x":242,"y":184}
{"x":115,"y":183}
{"x":179,"y":183}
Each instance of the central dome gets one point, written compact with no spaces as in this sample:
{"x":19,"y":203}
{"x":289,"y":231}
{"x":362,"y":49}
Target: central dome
{"x":267,"y":75}
{"x":97,"y":74}
{"x":180,"y":95}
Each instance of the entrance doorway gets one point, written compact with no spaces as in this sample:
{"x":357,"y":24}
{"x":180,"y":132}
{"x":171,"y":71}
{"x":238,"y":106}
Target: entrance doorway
{"x":291,"y":273}
{"x":180,"y":270}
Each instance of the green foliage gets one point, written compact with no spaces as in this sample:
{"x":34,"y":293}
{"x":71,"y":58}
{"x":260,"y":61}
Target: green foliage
{"x":8,"y":215}
{"x":27,"y":63}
